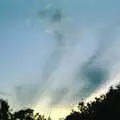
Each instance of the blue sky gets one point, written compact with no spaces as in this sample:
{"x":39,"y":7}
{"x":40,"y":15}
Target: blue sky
{"x":49,"y":56}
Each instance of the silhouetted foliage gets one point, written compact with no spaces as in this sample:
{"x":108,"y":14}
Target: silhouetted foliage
{"x":26,"y":114}
{"x":103,"y":108}
{"x":4,"y":110}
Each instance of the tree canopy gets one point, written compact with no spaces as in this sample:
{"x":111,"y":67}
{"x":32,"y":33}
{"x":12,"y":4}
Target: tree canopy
{"x":105,"y":107}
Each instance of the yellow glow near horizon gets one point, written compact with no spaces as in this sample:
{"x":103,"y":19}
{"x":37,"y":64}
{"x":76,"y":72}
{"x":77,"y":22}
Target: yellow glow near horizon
{"x":59,"y":111}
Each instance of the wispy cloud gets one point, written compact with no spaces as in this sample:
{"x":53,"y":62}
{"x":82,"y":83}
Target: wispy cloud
{"x":76,"y":66}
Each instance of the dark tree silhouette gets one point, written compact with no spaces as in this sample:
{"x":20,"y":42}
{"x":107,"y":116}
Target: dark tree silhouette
{"x":26,"y":114}
{"x":103,"y":108}
{"x":23,"y":114}
{"x":4,"y":110}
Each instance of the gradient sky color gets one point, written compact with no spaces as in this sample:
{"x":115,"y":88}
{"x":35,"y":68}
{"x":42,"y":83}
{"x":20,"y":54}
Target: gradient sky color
{"x":27,"y":43}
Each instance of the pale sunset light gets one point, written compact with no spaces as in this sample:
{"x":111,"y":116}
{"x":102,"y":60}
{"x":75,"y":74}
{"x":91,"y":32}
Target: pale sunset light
{"x":55,"y":53}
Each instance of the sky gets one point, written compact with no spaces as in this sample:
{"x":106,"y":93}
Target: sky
{"x":54,"y":53}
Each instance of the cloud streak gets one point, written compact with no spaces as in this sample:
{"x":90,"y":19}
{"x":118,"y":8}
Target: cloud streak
{"x":83,"y":76}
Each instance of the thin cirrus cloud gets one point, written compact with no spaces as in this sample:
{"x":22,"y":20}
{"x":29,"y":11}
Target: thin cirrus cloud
{"x":77,"y":65}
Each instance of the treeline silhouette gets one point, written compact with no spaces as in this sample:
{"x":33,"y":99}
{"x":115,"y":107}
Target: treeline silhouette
{"x":105,"y":107}
{"x":23,"y":114}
